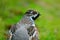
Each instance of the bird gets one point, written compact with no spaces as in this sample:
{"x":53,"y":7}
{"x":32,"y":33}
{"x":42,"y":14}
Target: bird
{"x":25,"y":29}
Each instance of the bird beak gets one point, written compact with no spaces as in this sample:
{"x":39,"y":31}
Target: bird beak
{"x":36,"y":16}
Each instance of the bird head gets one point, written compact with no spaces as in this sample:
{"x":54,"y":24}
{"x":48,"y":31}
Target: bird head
{"x":33,"y":14}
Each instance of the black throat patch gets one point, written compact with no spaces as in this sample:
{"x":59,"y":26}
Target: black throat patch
{"x":34,"y":18}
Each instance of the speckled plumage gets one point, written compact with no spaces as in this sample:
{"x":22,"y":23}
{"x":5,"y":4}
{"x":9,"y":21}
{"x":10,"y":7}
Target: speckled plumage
{"x":24,"y":29}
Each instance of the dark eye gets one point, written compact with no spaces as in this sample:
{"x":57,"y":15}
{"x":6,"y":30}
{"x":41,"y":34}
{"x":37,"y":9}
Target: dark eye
{"x":31,"y":12}
{"x":34,"y":12}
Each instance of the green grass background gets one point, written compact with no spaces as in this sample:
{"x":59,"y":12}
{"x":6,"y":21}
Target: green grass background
{"x":48,"y":23}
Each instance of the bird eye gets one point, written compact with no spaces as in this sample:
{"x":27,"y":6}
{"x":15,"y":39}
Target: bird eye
{"x":34,"y":12}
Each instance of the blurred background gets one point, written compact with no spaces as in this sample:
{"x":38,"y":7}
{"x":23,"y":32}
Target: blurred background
{"x":48,"y":24}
